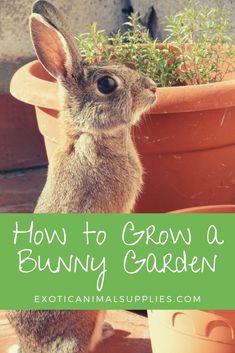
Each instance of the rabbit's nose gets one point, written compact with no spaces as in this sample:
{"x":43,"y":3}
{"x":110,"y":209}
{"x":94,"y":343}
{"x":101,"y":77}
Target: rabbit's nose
{"x":153,"y":89}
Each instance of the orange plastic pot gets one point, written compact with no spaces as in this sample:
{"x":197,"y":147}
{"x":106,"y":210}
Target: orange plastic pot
{"x":186,"y":142}
{"x":192,"y":331}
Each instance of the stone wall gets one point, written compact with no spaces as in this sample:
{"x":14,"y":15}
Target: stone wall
{"x":15,"y":45}
{"x":167,"y":7}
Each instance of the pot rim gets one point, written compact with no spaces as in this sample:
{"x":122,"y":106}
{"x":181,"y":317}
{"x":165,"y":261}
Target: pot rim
{"x":179,"y":99}
{"x":229,"y":208}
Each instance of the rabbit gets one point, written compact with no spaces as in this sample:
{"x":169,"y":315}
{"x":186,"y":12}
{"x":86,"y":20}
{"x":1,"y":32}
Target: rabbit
{"x":95,"y":169}
{"x":57,"y":331}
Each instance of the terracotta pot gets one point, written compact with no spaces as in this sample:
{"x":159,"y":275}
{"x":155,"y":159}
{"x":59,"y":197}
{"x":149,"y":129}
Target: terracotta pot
{"x":192,"y":331}
{"x":21,"y":145}
{"x":186,"y":142}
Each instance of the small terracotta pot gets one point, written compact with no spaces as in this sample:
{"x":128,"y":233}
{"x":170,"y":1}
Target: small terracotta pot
{"x":186,"y":142}
{"x":192,"y":331}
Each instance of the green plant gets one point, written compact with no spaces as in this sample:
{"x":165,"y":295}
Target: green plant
{"x":201,"y":35}
{"x":197,"y":49}
{"x":133,"y":48}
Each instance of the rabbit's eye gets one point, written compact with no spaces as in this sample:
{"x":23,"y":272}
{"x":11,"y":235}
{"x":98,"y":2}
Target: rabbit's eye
{"x":106,"y":84}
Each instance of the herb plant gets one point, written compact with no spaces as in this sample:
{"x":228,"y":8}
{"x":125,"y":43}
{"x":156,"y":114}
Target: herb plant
{"x":197,"y":50}
{"x":201,"y":35}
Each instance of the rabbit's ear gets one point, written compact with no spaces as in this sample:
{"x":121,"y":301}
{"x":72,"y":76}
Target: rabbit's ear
{"x":150,"y":20}
{"x":54,"y":47}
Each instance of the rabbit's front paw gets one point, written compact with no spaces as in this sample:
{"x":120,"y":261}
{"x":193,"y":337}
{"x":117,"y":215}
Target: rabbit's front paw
{"x":15,"y":349}
{"x":107,"y":331}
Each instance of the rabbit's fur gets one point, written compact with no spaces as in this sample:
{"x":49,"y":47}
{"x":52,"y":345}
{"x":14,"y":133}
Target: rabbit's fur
{"x":95,"y":169}
{"x":54,"y":331}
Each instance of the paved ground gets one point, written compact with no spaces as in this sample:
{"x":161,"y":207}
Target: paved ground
{"x":20,"y":189}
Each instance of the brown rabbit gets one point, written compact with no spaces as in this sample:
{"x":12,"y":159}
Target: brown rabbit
{"x":95,"y":168}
